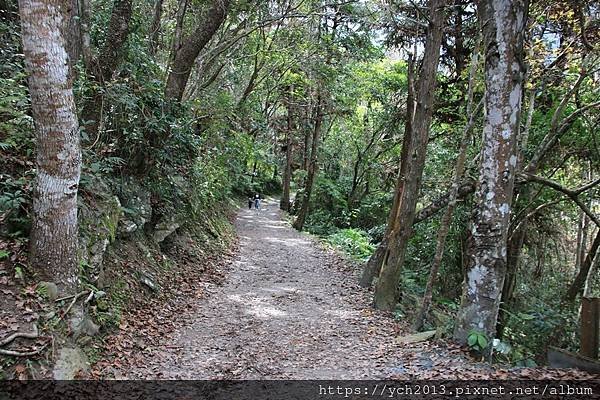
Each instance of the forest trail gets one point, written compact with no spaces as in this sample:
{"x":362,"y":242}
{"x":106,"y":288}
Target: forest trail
{"x":288,"y":309}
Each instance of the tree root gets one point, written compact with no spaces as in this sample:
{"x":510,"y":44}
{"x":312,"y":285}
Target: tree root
{"x":27,"y":335}
{"x":22,"y":353}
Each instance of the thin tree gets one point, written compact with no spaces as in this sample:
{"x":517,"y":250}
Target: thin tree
{"x":386,"y":293}
{"x":503,"y":24}
{"x":582,"y":275}
{"x":110,"y":56}
{"x":284,"y":203}
{"x":54,"y":234}
{"x":155,"y":27}
{"x":312,"y":165}
{"x":444,"y":228}
{"x":373,"y":266}
{"x":178,"y":33}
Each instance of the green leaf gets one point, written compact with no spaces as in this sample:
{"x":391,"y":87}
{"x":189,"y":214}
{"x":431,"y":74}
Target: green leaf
{"x":526,"y":317}
{"x":482,"y":341}
{"x":472,"y":339}
{"x":4,"y":254}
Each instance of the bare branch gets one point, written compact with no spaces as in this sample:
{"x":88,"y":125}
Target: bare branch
{"x":573,"y":194}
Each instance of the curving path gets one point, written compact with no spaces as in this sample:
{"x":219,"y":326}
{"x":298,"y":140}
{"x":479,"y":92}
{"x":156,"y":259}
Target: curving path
{"x":288,"y":309}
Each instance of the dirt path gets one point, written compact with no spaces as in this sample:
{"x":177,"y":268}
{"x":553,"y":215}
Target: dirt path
{"x":288,"y":309}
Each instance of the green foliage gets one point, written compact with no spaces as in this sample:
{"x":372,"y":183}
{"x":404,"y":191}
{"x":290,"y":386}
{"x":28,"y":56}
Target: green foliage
{"x":354,"y":242}
{"x":15,"y":198}
{"x":319,"y":223}
{"x":477,"y":341}
{"x":529,"y":331}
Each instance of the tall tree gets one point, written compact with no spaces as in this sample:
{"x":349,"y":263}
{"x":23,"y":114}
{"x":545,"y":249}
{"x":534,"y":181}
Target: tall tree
{"x":444,"y":228}
{"x":110,"y":56}
{"x":502,"y":23}
{"x":373,"y":266}
{"x":284,"y":204}
{"x":386,"y":293}
{"x":178,"y":33}
{"x":155,"y":27}
{"x":54,"y":232}
{"x":185,"y":56}
{"x":112,"y":52}
{"x":72,"y":31}
{"x":312,"y":165}
{"x":579,"y":281}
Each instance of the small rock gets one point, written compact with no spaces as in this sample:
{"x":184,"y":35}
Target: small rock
{"x":146,"y":280}
{"x":81,"y":324}
{"x":164,"y":230}
{"x":127,"y":227}
{"x":416,"y":337}
{"x":99,"y":294}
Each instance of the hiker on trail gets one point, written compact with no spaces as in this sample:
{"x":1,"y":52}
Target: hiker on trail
{"x":257,"y":201}
{"x":250,"y":202}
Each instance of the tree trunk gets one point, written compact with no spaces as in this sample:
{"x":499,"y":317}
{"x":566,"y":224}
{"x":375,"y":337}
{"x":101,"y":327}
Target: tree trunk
{"x":86,"y":46}
{"x":386,"y":292}
{"x":583,"y":228}
{"x":155,"y":27}
{"x":579,"y":281}
{"x":312,"y":167}
{"x":373,"y":266}
{"x":517,"y":237}
{"x":284,"y":204}
{"x":54,"y":234}
{"x":72,"y":33}
{"x":191,"y":47}
{"x":444,"y":228}
{"x":503,"y":24}
{"x":592,"y":274}
{"x":178,"y":33}
{"x":111,"y":54}
{"x":306,"y":151}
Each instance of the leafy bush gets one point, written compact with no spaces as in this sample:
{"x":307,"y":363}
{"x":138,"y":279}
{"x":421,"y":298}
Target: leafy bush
{"x":319,"y":223}
{"x":354,"y":242}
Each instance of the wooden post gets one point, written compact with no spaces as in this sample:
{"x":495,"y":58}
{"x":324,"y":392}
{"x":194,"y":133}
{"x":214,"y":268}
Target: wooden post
{"x":590,"y":326}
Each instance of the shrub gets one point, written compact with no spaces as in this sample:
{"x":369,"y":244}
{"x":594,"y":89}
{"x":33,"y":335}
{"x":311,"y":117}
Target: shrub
{"x":354,"y":242}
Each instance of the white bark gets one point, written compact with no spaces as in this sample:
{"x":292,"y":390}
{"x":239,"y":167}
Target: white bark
{"x":503,"y":24}
{"x":54,"y":231}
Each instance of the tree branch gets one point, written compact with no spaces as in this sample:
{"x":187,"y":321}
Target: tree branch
{"x":573,"y":194}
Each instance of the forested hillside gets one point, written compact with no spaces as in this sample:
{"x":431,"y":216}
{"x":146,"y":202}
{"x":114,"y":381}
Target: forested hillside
{"x":448,"y":149}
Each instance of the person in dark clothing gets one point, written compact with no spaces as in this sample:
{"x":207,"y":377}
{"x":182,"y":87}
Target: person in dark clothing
{"x":250,"y":203}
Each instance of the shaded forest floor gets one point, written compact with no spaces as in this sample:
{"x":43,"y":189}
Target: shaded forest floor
{"x":287,"y":309}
